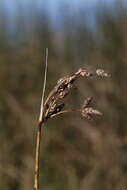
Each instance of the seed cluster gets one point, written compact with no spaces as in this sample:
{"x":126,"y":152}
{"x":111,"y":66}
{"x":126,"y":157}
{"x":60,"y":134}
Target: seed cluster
{"x":54,"y":102}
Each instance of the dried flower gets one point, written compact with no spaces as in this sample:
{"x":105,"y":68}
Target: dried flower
{"x":53,"y":105}
{"x":87,"y":102}
{"x":83,"y":72}
{"x":89,"y":112}
{"x":54,"y":110}
{"x":102,"y":73}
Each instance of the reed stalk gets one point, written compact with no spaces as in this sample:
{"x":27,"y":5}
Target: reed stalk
{"x":54,"y":104}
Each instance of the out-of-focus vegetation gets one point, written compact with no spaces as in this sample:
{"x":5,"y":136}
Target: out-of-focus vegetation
{"x":76,"y":154}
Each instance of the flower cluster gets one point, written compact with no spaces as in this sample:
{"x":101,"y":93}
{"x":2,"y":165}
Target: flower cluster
{"x":54,"y":103}
{"x":87,"y":111}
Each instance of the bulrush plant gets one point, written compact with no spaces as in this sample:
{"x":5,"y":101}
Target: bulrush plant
{"x":54,"y":105}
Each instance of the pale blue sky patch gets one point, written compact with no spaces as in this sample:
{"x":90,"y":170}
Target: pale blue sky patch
{"x":25,"y":8}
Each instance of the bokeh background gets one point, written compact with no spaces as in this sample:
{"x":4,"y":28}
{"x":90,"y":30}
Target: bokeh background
{"x":76,"y":154}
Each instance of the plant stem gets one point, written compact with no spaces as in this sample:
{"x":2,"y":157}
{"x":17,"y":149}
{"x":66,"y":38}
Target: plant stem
{"x":39,"y":127}
{"x":65,"y":111}
{"x":37,"y":157}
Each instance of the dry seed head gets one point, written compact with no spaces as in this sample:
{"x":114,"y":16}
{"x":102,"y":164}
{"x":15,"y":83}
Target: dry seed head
{"x":63,"y":93}
{"x":54,"y":110}
{"x":89,"y":112}
{"x":87,"y":102}
{"x":102,"y":73}
{"x":83,"y":72}
{"x":64,"y":85}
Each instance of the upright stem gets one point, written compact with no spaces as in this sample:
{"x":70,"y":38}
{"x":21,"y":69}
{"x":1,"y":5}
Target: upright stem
{"x":37,"y":157}
{"x":38,"y":137}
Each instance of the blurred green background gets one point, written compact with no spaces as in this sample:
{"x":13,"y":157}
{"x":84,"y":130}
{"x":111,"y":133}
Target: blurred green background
{"x":76,"y":154}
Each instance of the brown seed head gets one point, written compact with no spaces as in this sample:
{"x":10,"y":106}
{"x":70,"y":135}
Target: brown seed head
{"x":102,"y":73}
{"x":53,"y":105}
{"x":89,"y":112}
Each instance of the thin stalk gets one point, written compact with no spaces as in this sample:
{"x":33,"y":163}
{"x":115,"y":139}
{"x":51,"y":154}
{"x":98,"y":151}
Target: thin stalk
{"x":44,"y":87}
{"x":37,"y":158}
{"x":39,"y":129}
{"x":65,"y":111}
